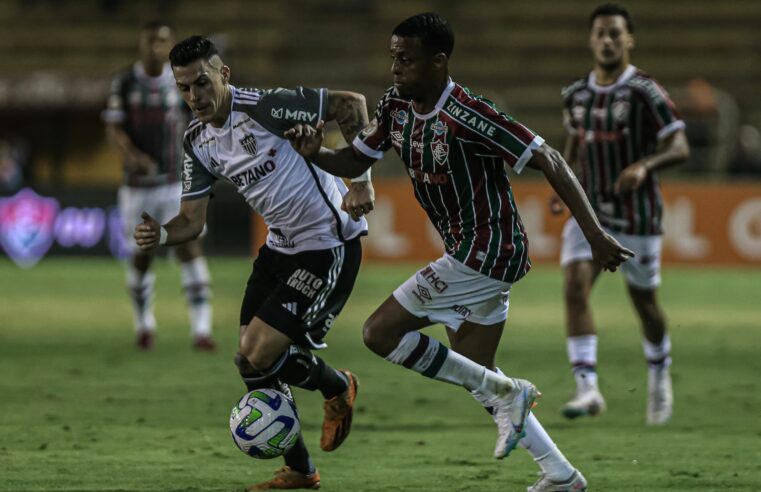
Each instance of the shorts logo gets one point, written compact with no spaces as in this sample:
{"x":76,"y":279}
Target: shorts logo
{"x":440,"y":152}
{"x":462,"y":311}
{"x":249,"y":144}
{"x":305,"y":282}
{"x":422,"y":294}
{"x":433,"y":280}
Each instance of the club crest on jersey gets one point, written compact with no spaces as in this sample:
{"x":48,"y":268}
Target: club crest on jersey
{"x":249,"y":144}
{"x":440,"y":152}
{"x":439,"y":128}
{"x":399,"y":116}
{"x":620,"y":110}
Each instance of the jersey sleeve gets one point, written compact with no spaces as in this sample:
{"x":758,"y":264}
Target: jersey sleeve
{"x":374,"y":139}
{"x":115,"y":105}
{"x":197,"y":181}
{"x":506,"y":137}
{"x":661,"y":111}
{"x":279,"y":110}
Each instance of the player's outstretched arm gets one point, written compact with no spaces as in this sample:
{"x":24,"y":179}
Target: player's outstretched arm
{"x":186,"y":226}
{"x":346,"y":162}
{"x":605,"y":249}
{"x":673,"y":150}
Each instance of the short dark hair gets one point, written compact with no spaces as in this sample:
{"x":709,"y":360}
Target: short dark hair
{"x":435,"y":33}
{"x":612,"y":9}
{"x":155,"y":24}
{"x":191,"y":49}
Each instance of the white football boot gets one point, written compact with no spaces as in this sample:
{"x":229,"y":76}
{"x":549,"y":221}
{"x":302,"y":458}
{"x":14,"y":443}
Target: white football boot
{"x":510,"y":413}
{"x":588,"y":401}
{"x":660,"y":396}
{"x":576,"y":482}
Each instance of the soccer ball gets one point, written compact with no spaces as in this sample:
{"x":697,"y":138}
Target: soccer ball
{"x":264,"y":424}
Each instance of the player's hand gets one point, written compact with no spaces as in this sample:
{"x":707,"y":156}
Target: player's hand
{"x":147,"y":233}
{"x":305,"y":139}
{"x":608,"y":253}
{"x":557,"y":206}
{"x":631,"y":178}
{"x":359,"y":200}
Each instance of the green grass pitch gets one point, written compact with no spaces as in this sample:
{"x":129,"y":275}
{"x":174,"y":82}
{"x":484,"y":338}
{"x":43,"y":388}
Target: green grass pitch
{"x":82,"y":410}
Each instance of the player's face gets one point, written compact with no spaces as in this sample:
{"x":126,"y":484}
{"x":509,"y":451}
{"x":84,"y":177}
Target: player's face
{"x":155,"y":45}
{"x":610,"y":41}
{"x":203,"y":87}
{"x":411,"y":66}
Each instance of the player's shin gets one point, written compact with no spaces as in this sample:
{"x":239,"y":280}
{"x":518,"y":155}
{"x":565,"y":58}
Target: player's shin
{"x":141,"y":287}
{"x":545,"y":452}
{"x":300,"y":367}
{"x":432,"y":359}
{"x":196,"y":282}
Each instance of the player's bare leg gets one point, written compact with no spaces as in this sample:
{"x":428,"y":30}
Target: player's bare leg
{"x":479,"y":343}
{"x":141,"y":284}
{"x":579,"y":277}
{"x":196,"y":283}
{"x":391,"y":332}
{"x":657,"y":348}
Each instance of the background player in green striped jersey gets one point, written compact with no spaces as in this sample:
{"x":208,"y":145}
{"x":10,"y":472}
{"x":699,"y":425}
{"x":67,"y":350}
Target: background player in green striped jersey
{"x":455,"y":147}
{"x":145,"y":120}
{"x":622,"y":128}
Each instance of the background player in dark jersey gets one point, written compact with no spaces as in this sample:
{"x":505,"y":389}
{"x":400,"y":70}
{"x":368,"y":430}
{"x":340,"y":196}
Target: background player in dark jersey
{"x":305,"y":272}
{"x":622,"y":127}
{"x":455,"y":147}
{"x":145,"y":120}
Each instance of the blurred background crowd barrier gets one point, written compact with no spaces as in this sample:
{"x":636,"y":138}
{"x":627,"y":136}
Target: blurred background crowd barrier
{"x":57,"y":58}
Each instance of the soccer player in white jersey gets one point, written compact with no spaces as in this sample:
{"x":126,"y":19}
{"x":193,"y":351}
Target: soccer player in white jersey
{"x":455,"y":147}
{"x":304,"y":273}
{"x":622,"y":128}
{"x":145,"y":120}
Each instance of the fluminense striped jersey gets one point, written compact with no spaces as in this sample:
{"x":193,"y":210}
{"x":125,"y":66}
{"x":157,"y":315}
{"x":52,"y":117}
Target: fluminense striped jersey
{"x":154,"y":116}
{"x":455,"y":158}
{"x":300,"y":203}
{"x":617,"y":125}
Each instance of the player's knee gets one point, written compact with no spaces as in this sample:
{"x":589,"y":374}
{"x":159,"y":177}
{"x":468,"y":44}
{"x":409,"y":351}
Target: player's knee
{"x":376,"y":338}
{"x":576,"y":291}
{"x":256,"y":355}
{"x":244,"y":366}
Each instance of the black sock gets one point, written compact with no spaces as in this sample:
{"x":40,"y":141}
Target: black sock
{"x":305,"y":370}
{"x":298,"y":458}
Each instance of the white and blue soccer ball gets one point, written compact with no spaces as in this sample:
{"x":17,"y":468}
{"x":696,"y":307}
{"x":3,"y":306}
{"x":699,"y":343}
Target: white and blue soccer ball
{"x":264,"y":424}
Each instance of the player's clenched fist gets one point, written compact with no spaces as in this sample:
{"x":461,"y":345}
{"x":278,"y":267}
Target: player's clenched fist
{"x":359,"y":200}
{"x":608,"y":253}
{"x":147,"y":233}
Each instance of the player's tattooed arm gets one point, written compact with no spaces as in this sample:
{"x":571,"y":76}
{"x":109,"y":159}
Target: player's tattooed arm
{"x":570,"y":156}
{"x":672,"y":150}
{"x":186,"y":226}
{"x":605,"y":249}
{"x":349,"y":110}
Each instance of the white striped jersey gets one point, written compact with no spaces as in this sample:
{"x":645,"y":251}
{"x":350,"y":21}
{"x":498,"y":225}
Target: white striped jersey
{"x":299,"y":202}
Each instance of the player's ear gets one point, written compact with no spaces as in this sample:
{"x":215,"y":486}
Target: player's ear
{"x":225,"y":71}
{"x":440,"y":60}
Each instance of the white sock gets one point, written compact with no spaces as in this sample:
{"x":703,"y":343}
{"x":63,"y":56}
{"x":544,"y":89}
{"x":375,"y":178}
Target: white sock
{"x":658,"y":356}
{"x":544,"y":451}
{"x":432,"y":359}
{"x":582,"y":353}
{"x":141,"y":287}
{"x":196,"y":282}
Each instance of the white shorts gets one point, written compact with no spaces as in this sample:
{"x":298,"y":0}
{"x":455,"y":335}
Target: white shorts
{"x":643,"y":271}
{"x":448,"y":292}
{"x":162,"y":202}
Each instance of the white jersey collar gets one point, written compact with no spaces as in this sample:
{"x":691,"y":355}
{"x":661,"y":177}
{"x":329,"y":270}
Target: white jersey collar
{"x":439,"y":104}
{"x":625,"y":75}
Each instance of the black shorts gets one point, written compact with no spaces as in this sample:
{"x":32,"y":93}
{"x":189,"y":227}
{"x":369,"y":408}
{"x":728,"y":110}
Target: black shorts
{"x":300,"y":295}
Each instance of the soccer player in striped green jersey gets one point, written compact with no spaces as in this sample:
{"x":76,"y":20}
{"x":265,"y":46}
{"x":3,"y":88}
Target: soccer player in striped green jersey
{"x":622,"y":127}
{"x":456,"y":147}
